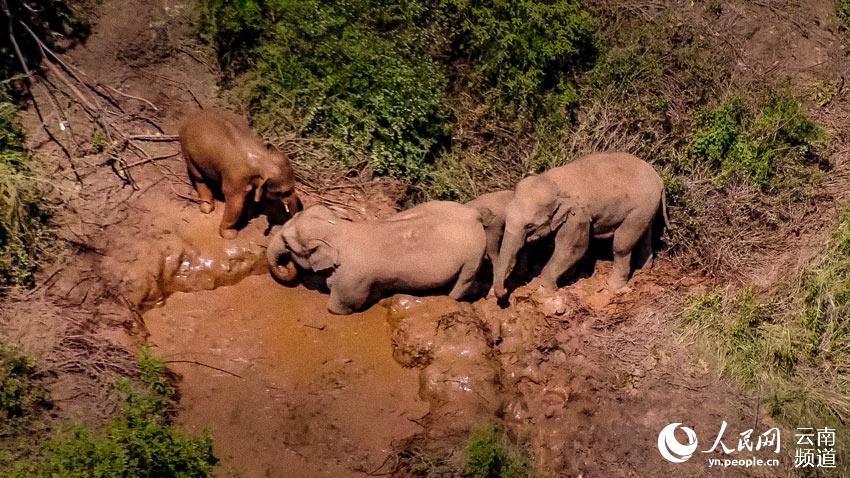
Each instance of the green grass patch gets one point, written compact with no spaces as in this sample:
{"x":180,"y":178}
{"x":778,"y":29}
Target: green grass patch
{"x":793,"y":346}
{"x":490,"y":454}
{"x":140,"y":442}
{"x":755,"y":144}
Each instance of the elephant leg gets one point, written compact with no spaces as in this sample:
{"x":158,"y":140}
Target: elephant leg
{"x":234,"y":203}
{"x":465,"y":280}
{"x":626,"y":237}
{"x":571,"y":244}
{"x":645,"y":257}
{"x":204,"y":192}
{"x":345,"y":300}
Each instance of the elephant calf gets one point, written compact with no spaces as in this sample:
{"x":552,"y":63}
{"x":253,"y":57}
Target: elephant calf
{"x":425,"y":247}
{"x":221,"y":150}
{"x":603,"y":195}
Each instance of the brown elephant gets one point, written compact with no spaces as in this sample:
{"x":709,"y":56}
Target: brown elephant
{"x":221,"y":150}
{"x":425,"y":247}
{"x":602,"y":195}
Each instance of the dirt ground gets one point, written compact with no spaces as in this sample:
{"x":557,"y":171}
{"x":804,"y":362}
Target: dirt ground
{"x":585,"y":378}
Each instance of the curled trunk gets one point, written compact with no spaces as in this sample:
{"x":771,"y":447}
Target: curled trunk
{"x":275,"y":252}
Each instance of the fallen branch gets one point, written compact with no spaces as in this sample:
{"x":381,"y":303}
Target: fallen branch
{"x":194,"y":362}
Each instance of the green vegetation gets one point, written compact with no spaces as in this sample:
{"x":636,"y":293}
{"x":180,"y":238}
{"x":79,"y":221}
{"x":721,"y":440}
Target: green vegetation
{"x":371,"y":79}
{"x":526,"y":52}
{"x":733,"y":141}
{"x":22,"y":215}
{"x":139,"y":442}
{"x":356,"y":74}
{"x":794,"y":346}
{"x":489,"y":454}
{"x":20,"y":393}
{"x":842,"y":9}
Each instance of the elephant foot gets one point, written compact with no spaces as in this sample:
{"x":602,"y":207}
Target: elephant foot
{"x":229,"y":233}
{"x":619,"y":286}
{"x":207,"y":207}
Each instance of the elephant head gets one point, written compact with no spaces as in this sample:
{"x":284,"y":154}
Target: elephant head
{"x":309,"y":240}
{"x":537,"y":210}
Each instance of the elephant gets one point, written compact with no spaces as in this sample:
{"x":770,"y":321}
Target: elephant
{"x":220,"y":150}
{"x":494,"y":225}
{"x":601,"y":195}
{"x":425,"y":247}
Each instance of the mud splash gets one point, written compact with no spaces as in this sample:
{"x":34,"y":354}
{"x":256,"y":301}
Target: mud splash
{"x":295,"y":391}
{"x":189,"y":255}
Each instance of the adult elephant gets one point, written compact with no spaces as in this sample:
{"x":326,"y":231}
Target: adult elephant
{"x":601,"y":195}
{"x":425,"y":247}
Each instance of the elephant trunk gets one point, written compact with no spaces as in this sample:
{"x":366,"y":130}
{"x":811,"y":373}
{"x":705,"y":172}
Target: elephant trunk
{"x":511,"y":244}
{"x":274,"y":252}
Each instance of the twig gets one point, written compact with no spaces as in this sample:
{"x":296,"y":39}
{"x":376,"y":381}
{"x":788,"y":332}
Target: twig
{"x":137,"y":98}
{"x":194,"y":362}
{"x":155,"y":137}
{"x":150,"y":160}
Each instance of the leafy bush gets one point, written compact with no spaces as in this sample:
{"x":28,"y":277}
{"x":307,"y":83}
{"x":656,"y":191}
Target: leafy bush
{"x":734,"y":141}
{"x":352,"y":74}
{"x":526,"y":51}
{"x":22,"y":217}
{"x":20,"y":394}
{"x":489,"y":454}
{"x":138,"y":443}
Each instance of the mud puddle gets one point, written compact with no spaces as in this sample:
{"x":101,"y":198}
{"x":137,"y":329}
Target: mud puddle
{"x":299,"y":392}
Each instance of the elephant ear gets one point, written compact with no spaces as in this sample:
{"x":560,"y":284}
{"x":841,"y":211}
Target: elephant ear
{"x":564,"y":206}
{"x":487,"y":216}
{"x":322,"y":255}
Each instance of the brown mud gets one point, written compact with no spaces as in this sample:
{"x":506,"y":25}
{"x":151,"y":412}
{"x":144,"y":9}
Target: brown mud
{"x":305,"y":393}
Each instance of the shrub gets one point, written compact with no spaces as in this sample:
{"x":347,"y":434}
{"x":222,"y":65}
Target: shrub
{"x":22,"y":217}
{"x":527,"y":52}
{"x":20,"y":392}
{"x":735,"y":142}
{"x":138,"y":443}
{"x":343,"y":75}
{"x":489,"y":454}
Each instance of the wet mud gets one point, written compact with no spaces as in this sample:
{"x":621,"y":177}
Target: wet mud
{"x":295,"y":391}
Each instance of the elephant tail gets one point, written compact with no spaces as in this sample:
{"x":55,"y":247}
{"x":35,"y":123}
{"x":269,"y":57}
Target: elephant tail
{"x":664,"y":209}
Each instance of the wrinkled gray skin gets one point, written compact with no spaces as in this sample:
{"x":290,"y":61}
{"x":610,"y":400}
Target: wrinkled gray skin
{"x":425,"y":247}
{"x":494,"y":224}
{"x":601,"y":195}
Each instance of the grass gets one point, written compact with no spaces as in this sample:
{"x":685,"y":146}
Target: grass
{"x":23,"y":216}
{"x":139,"y":442}
{"x":792,"y":346}
{"x":489,"y":454}
{"x":842,"y":9}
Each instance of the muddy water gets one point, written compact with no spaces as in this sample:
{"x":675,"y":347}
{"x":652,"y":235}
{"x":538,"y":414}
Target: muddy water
{"x":316,"y":394}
